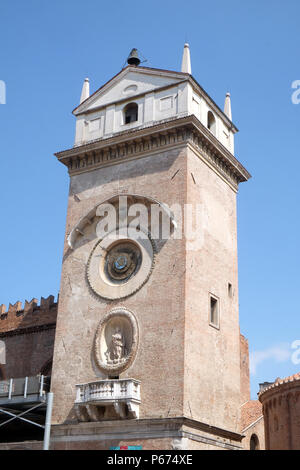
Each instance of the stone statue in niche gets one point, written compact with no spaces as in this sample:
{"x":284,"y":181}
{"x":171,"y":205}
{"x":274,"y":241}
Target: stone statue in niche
{"x":116,"y":341}
{"x":116,"y":352}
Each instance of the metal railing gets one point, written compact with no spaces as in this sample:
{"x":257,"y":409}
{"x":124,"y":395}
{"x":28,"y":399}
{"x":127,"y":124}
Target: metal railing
{"x":24,"y":388}
{"x":21,"y":392}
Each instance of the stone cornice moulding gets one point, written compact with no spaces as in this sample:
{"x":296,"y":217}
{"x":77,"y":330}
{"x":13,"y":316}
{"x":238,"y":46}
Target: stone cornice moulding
{"x":138,"y":143}
{"x":148,"y":428}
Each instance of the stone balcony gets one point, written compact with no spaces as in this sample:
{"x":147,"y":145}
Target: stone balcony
{"x":108,"y":399}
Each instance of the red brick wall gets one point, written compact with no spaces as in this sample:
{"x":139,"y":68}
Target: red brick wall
{"x":281,"y":409}
{"x":28,"y":334}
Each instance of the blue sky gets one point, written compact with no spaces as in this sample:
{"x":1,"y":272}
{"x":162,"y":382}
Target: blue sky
{"x":249,"y":48}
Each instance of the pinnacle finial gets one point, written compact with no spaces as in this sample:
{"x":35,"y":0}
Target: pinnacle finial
{"x":186,"y":60}
{"x":85,"y":93}
{"x":227,"y":106}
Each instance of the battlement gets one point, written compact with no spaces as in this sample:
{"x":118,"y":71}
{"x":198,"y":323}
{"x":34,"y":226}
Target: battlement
{"x":31,"y":314}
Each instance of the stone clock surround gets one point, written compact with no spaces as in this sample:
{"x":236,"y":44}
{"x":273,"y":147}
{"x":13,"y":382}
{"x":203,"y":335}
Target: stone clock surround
{"x":99,"y":276}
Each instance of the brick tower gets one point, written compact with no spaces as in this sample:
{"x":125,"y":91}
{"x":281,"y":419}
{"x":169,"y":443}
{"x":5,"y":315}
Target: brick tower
{"x":147,"y":348}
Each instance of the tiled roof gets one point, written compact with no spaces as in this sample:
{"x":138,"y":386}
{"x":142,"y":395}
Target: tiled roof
{"x":279,"y":381}
{"x":250,"y":412}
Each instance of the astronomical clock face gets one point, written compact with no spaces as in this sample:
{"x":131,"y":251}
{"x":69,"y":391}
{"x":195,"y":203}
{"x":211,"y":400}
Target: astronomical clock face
{"x":119,"y":266}
{"x":122,"y":262}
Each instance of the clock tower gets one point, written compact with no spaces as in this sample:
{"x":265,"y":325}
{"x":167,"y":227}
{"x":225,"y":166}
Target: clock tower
{"x":147,"y":348}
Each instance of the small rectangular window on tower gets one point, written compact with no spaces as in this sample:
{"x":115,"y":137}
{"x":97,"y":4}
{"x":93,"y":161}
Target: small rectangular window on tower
{"x":229,"y":289}
{"x":214,"y":316}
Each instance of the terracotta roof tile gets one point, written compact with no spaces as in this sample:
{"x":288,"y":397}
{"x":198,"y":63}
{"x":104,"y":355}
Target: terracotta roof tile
{"x":279,"y":381}
{"x":250,"y":412}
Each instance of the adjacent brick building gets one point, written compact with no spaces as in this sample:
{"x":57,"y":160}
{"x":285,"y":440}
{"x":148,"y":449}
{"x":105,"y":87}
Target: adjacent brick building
{"x":27,"y":333}
{"x":281,"y":410}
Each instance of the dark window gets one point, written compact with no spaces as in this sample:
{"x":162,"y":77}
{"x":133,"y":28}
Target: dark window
{"x":211,"y":122}
{"x":214,"y":311}
{"x":130,"y":113}
{"x":254,"y":442}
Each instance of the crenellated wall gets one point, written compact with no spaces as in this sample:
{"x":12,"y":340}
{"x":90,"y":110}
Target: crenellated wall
{"x":27,"y":337}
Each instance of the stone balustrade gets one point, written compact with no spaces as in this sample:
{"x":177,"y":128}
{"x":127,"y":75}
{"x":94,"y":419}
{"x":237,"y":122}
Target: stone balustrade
{"x":108,"y":399}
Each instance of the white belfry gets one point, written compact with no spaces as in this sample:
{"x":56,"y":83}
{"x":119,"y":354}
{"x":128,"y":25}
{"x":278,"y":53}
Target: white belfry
{"x":227,"y":106}
{"x":186,"y":60}
{"x":85,"y":93}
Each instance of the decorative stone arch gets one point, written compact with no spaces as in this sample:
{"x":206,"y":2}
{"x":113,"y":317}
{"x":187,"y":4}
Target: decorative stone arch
{"x":129,"y":230}
{"x":91,"y":216}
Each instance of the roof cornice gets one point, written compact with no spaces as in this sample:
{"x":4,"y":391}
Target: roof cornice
{"x":279,"y":386}
{"x":162,"y":136}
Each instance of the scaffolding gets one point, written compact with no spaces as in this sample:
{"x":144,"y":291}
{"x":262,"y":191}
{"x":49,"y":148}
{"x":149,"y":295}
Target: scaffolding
{"x":27,"y":396}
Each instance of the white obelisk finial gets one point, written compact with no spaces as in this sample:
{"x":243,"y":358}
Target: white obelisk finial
{"x":227,"y":106}
{"x":85,"y":93}
{"x":186,"y":60}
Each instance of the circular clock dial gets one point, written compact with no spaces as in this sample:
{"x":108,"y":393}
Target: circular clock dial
{"x":122,"y":261}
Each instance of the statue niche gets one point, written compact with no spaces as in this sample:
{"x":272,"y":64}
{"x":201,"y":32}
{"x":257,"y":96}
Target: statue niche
{"x":116,"y":341}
